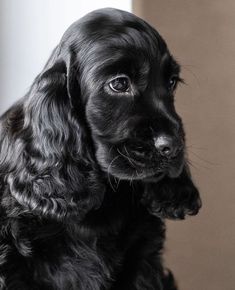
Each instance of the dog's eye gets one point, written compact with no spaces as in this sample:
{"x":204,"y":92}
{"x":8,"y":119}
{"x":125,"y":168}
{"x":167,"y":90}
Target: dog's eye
{"x":120,"y":84}
{"x":172,"y":83}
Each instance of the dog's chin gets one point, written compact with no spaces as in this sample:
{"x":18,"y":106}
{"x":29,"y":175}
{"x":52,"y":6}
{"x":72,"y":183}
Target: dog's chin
{"x":148,"y":175}
{"x":155,"y":178}
{"x":175,"y":172}
{"x":176,"y":168}
{"x":135,"y":174}
{"x":172,"y":172}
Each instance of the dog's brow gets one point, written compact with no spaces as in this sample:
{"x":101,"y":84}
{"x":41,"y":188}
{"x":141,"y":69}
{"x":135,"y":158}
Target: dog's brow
{"x":175,"y":66}
{"x":164,"y":59}
{"x":168,"y":61}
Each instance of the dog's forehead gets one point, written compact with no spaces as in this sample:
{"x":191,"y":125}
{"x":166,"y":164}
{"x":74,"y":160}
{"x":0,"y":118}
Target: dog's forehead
{"x":114,"y":28}
{"x":111,"y":19}
{"x":107,"y":40}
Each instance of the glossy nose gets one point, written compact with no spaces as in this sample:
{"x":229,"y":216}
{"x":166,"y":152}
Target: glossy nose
{"x":167,"y":146}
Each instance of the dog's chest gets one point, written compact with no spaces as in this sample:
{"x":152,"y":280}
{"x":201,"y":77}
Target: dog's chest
{"x":93,"y":248}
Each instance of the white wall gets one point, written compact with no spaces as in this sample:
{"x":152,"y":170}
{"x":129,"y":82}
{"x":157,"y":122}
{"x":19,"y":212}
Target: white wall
{"x":29,"y":30}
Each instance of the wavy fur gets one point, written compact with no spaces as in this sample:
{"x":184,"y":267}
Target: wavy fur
{"x":78,"y":209}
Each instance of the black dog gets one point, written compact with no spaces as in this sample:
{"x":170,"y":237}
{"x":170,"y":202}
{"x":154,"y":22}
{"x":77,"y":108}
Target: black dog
{"x":92,"y":160}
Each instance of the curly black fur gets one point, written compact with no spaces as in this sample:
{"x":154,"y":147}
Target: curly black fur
{"x":84,"y":190}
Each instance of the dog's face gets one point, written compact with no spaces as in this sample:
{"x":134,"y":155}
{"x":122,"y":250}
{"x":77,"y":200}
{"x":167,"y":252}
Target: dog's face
{"x":128,"y":80}
{"x":104,"y":100}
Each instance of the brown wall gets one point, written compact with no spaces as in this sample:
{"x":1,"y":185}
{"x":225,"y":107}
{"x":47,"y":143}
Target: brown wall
{"x":201,"y":35}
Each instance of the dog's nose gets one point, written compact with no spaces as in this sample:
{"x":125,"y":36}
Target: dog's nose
{"x":167,"y":146}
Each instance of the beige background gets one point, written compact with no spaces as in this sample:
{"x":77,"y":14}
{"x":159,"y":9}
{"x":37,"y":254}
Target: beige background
{"x":201,"y":35}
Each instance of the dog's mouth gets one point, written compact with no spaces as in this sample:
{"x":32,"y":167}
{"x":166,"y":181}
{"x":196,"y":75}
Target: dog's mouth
{"x":144,"y":165}
{"x":156,"y":167}
{"x":172,"y":171}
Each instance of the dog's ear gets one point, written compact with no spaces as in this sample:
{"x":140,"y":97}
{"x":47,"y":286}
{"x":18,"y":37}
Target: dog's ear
{"x":173,"y":198}
{"x":48,"y":165}
{"x":50,"y":116}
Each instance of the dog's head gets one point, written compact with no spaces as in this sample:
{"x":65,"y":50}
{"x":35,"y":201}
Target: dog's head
{"x":106,"y":98}
{"x":127,"y":79}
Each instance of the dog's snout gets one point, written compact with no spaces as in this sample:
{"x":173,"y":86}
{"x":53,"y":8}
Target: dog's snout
{"x":167,"y":146}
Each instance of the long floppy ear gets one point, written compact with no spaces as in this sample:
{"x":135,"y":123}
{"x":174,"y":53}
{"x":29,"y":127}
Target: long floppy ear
{"x":48,"y":167}
{"x":173,"y":198}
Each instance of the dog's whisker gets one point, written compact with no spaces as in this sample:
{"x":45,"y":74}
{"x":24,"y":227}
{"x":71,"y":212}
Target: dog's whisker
{"x":108,"y":170}
{"x":203,"y":160}
{"x":117,"y":184}
{"x":195,"y":147}
{"x":117,"y":181}
{"x":109,"y":179}
{"x":197,"y":165}
{"x":131,"y":180}
{"x":191,"y":164}
{"x":186,"y":67}
{"x":126,"y":157}
{"x":111,"y":148}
